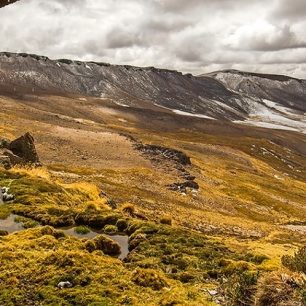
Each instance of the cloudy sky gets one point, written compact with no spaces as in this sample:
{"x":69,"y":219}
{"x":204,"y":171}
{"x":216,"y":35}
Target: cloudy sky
{"x":195,"y":36}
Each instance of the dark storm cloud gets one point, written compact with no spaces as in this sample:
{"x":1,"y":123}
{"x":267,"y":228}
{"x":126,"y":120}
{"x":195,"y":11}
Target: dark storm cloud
{"x":269,"y":38}
{"x":122,"y":38}
{"x":291,"y":10}
{"x":189,"y":35}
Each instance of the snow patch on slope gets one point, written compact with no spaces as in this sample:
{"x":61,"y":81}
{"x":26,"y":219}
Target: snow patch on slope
{"x":182,"y":113}
{"x":272,"y":115}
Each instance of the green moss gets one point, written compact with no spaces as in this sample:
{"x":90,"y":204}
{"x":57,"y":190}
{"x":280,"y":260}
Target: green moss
{"x":82,"y":230}
{"x":149,"y":278}
{"x":5,"y":211}
{"x":110,"y":229}
{"x":26,"y":222}
{"x":107,"y":245}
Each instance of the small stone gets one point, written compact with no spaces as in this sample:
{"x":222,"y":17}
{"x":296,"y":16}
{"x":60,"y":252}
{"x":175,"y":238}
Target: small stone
{"x":212,"y":292}
{"x":62,"y":285}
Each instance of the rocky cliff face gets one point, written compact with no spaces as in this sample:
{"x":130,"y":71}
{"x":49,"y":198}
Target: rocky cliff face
{"x":226,"y":95}
{"x":289,"y":92}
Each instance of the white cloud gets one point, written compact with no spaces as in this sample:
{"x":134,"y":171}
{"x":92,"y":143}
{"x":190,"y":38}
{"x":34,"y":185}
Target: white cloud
{"x":193,"y":36}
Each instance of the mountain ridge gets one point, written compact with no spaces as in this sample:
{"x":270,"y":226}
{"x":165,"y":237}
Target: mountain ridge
{"x":153,"y":68}
{"x":264,"y":100}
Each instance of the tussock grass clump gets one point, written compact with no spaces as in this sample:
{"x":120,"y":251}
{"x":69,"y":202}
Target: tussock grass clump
{"x":3,"y":233}
{"x":5,"y":211}
{"x":82,"y":230}
{"x":135,"y":240}
{"x":26,"y":222}
{"x":50,"y":231}
{"x":29,"y":224}
{"x":122,"y":224}
{"x":53,"y":216}
{"x":166,"y":220}
{"x":38,"y":172}
{"x":93,"y":207}
{"x":90,"y":246}
{"x":149,"y":278}
{"x":236,"y":267}
{"x":279,"y":288}
{"x":239,"y":289}
{"x":128,"y":208}
{"x":107,"y":245}
{"x":296,"y":262}
{"x":110,"y":229}
{"x":256,"y":258}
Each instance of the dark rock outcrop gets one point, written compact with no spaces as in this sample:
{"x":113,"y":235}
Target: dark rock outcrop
{"x":20,"y":151}
{"x":165,"y":153}
{"x":169,"y":160}
{"x":182,"y":187}
{"x":24,"y":148}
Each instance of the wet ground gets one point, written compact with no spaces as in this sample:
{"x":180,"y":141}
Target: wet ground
{"x":9,"y":225}
{"x":122,"y":240}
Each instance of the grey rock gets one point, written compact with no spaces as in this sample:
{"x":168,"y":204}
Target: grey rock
{"x":5,"y":196}
{"x":65,"y":284}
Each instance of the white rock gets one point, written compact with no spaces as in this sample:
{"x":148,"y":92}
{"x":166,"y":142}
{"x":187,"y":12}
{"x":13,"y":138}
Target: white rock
{"x":62,"y":285}
{"x":212,"y":292}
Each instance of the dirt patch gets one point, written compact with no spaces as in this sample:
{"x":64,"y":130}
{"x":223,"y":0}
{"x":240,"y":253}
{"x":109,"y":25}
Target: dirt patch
{"x":296,"y":228}
{"x":88,"y":149}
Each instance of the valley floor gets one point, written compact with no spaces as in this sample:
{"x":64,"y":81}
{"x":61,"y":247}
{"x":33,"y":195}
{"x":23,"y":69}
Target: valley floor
{"x":242,"y":210}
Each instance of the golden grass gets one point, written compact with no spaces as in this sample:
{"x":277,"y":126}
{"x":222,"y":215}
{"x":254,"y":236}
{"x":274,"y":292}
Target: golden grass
{"x":40,"y":172}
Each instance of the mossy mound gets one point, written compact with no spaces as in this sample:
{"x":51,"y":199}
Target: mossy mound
{"x":82,"y":230}
{"x":35,"y":261}
{"x":107,"y":245}
{"x":110,"y":229}
{"x":149,"y":278}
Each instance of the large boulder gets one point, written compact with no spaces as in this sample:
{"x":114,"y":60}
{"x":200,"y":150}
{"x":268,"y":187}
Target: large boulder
{"x":5,"y":160}
{"x":13,"y":159}
{"x":24,"y":148}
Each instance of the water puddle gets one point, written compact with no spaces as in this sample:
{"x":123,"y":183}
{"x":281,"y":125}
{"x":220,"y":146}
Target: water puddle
{"x":9,"y":225}
{"x":122,"y":240}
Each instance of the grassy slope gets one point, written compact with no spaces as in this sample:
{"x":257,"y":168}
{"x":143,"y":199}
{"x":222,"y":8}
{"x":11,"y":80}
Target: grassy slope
{"x":35,"y":260}
{"x":250,"y":186}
